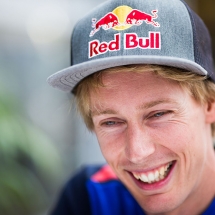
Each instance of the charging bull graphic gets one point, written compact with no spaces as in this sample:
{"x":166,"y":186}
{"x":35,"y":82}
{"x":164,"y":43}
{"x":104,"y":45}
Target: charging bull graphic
{"x":108,"y":21}
{"x":123,"y":17}
{"x":136,"y":17}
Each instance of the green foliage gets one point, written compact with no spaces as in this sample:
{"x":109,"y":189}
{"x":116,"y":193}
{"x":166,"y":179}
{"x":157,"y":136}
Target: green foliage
{"x":29,"y":164}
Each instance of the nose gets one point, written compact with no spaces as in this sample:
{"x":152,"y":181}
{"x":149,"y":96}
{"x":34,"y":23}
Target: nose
{"x":139,"y":144}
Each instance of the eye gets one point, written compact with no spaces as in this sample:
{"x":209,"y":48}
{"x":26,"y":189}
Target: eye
{"x":111,"y":123}
{"x":159,"y":114}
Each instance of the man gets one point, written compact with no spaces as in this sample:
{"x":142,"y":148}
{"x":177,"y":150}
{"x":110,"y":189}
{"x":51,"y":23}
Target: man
{"x":143,"y":78}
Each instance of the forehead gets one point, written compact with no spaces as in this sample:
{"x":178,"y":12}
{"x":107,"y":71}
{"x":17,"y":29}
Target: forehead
{"x":110,"y":79}
{"x":134,"y":88}
{"x":131,"y":81}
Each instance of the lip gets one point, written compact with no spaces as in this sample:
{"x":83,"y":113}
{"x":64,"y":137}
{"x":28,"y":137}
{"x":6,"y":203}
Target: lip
{"x":156,"y":185}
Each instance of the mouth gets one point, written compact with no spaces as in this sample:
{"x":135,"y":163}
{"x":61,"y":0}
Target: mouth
{"x":155,"y":175}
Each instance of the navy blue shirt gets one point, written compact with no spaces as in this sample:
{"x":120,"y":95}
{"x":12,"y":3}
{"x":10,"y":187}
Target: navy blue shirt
{"x":95,"y":190}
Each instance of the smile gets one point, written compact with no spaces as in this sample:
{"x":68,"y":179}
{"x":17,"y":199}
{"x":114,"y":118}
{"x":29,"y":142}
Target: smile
{"x":155,"y":175}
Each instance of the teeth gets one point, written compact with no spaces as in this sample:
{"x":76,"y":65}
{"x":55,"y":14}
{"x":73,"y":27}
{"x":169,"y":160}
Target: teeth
{"x":144,"y":178}
{"x":153,"y":176}
{"x":161,"y":171}
{"x":136,"y":176}
{"x":156,"y":174}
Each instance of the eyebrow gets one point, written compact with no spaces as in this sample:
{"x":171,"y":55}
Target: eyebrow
{"x":148,"y":105}
{"x":102,"y":112}
{"x":154,"y":103}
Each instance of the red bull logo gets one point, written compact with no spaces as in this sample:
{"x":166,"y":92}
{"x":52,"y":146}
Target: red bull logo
{"x":96,"y":47}
{"x":106,"y":22}
{"x":124,"y":17}
{"x":131,"y":41}
{"x":136,"y":17}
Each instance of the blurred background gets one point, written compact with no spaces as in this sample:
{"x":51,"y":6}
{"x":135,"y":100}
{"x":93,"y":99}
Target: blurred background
{"x":42,"y":139}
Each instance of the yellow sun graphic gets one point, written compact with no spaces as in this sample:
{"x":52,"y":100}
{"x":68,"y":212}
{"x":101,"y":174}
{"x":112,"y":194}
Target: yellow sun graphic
{"x":121,"y":12}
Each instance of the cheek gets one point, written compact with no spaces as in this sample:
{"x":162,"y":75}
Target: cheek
{"x":177,"y":137}
{"x":186,"y":142}
{"x":111,"y":147}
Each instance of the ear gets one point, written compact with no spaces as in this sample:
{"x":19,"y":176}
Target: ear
{"x":210,"y":112}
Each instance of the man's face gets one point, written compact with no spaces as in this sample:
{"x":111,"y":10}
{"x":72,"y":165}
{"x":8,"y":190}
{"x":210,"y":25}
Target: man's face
{"x":155,"y":137}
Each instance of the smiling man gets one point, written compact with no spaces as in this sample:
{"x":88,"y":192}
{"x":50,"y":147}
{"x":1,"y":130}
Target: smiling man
{"x":143,"y":77}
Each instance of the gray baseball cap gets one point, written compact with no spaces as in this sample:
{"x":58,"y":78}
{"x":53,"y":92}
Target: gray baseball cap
{"x":124,"y":32}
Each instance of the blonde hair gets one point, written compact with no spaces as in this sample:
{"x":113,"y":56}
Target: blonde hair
{"x":199,"y":87}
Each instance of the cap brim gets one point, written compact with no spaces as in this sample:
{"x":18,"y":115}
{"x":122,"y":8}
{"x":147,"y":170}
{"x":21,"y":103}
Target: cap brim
{"x":68,"y":78}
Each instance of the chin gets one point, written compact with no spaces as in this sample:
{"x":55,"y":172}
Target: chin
{"x":159,"y":204}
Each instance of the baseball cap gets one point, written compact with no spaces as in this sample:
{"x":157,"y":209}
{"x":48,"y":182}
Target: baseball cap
{"x":124,"y":32}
